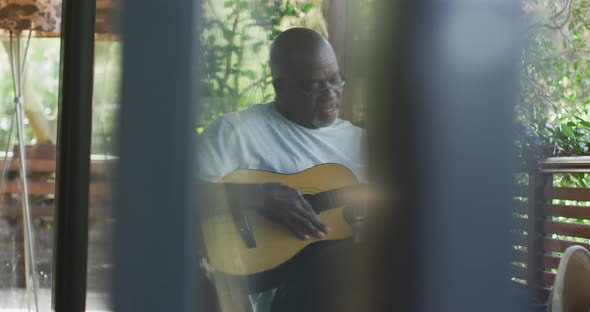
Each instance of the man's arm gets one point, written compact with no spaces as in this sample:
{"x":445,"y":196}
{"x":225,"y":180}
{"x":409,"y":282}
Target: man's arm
{"x":220,"y":152}
{"x":275,"y":201}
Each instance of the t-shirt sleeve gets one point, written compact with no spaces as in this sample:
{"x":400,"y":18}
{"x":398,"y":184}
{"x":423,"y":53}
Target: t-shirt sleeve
{"x":364,"y":144}
{"x":218,"y":151}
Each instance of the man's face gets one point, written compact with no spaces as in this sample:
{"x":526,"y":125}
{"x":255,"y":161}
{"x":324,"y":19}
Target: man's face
{"x":310,"y":94}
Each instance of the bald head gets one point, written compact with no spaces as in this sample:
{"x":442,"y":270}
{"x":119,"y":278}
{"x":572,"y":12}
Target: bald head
{"x":296,"y":48}
{"x":306,"y":78}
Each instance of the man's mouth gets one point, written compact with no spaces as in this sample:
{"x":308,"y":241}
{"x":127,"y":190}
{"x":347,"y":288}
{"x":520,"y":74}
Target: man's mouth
{"x":330,"y":110}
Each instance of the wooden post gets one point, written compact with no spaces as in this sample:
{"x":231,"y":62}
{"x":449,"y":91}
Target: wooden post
{"x":538,"y":183}
{"x":337,"y":30}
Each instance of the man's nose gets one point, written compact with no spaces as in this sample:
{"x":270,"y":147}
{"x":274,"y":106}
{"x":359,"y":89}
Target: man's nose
{"x":329,"y":94}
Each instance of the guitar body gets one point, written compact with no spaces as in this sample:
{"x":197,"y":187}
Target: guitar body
{"x":226,"y":250}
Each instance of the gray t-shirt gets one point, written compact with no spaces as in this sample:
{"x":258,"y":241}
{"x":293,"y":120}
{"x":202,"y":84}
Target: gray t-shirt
{"x":259,"y":137}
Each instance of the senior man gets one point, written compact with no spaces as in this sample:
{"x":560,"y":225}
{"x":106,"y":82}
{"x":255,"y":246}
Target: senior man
{"x":299,"y":130}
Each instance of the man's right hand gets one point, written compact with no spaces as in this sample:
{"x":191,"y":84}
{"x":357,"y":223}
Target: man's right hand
{"x":286,"y":206}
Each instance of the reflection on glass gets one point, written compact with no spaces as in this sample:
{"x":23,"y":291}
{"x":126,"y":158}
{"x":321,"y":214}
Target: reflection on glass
{"x":39,"y":90}
{"x":17,"y":23}
{"x":107,"y":78}
{"x":105,"y":106}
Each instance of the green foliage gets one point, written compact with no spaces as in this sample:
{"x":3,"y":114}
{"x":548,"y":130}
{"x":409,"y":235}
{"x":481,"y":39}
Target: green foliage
{"x":43,"y":75}
{"x":581,"y":180}
{"x":554,"y":110}
{"x":235,"y":40}
{"x":106,"y":95}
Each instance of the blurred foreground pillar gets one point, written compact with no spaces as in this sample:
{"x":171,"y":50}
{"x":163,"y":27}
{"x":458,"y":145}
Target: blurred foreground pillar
{"x":445,"y":85}
{"x":156,"y":265}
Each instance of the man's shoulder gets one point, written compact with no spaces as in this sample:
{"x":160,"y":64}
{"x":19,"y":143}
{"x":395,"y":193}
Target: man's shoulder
{"x":253,"y":113}
{"x":342,"y":124}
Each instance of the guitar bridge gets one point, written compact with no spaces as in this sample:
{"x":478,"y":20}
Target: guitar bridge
{"x":243,"y":226}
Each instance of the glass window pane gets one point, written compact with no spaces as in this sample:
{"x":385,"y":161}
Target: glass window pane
{"x":107,"y":78}
{"x":40,"y":55}
{"x":39,"y":91}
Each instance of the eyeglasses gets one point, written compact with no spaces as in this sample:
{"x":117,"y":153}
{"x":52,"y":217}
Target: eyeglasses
{"x":316,"y":88}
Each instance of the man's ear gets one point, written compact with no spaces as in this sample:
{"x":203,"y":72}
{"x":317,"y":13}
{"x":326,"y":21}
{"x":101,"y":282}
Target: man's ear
{"x":279,"y":88}
{"x":276,"y":83}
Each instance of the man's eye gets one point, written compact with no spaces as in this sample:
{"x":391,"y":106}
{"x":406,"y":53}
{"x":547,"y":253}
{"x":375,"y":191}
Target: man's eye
{"x":338,"y":77}
{"x":312,"y":85}
{"x":334,"y":81}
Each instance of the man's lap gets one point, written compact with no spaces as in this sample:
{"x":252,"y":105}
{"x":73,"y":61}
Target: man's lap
{"x":326,"y":279}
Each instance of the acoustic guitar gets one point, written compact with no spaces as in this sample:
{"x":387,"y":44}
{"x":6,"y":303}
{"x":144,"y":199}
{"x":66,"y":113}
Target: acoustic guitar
{"x":248,"y":243}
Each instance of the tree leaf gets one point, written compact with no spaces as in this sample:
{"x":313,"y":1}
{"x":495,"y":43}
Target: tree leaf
{"x":257,"y":47}
{"x":249,"y":74}
{"x":307,"y":7}
{"x":290,"y":10}
{"x":568,"y":131}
